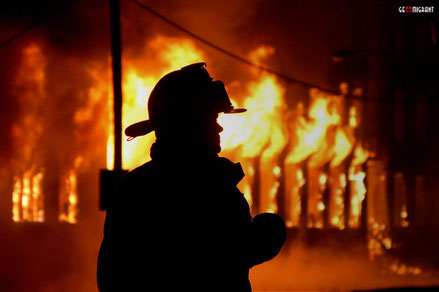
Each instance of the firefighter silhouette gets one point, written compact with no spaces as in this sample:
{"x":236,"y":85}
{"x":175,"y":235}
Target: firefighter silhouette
{"x":179,"y":221}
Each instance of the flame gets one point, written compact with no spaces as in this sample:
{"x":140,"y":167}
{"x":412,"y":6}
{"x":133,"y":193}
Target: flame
{"x":353,"y":117}
{"x":293,"y":186}
{"x":175,"y":53}
{"x":404,"y":269}
{"x":378,"y":239}
{"x":16,"y":197}
{"x":343,"y":146}
{"x":68,"y":198}
{"x":358,"y":188}
{"x":297,"y":209}
{"x":337,"y":207}
{"x":309,"y":135}
{"x":261,"y":131}
{"x":323,"y":178}
{"x":320,"y":137}
{"x":34,"y":66}
{"x":27,"y":195}
{"x":266,"y":135}
{"x":136,"y":92}
{"x":259,"y":54}
{"x":360,"y":155}
{"x":316,"y":137}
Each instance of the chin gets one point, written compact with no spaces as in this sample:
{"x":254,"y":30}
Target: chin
{"x":218,"y":146}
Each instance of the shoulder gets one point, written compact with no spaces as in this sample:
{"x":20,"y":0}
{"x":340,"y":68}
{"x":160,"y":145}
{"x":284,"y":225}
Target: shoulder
{"x":131,"y":184}
{"x":145,"y":170}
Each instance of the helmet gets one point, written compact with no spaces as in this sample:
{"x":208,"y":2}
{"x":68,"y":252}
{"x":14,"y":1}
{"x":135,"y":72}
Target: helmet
{"x":180,"y":95}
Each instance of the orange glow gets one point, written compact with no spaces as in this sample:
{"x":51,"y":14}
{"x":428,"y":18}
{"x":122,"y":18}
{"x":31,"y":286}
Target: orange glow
{"x":360,"y":155}
{"x":68,"y":209}
{"x":136,"y":91}
{"x":353,"y":120}
{"x":342,"y":148}
{"x":173,"y":53}
{"x":16,"y":197}
{"x":261,"y":131}
{"x":27,"y":198}
{"x":357,"y":186}
{"x":293,"y":186}
{"x":337,"y":210}
{"x":320,"y":137}
{"x":310,"y":134}
{"x":378,"y":240}
{"x":27,"y":194}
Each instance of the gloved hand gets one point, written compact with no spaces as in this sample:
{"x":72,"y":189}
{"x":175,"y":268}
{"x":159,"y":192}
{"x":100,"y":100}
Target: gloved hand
{"x":267,"y":233}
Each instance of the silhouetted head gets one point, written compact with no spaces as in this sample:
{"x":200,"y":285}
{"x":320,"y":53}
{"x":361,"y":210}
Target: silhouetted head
{"x":183,"y":109}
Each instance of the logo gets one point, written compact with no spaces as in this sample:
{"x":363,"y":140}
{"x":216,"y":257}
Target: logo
{"x":416,"y":9}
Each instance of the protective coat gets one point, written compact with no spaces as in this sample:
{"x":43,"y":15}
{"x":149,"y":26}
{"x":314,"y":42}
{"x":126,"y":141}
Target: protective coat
{"x":181,"y":223}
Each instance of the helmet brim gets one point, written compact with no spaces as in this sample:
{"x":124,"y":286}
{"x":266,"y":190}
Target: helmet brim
{"x":145,"y":127}
{"x":139,"y":129}
{"x":236,"y":111}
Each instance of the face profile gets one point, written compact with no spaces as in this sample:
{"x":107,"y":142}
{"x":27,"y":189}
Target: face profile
{"x":208,"y":134}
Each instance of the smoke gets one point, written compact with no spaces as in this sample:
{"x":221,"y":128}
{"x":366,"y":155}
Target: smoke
{"x":330,"y":264}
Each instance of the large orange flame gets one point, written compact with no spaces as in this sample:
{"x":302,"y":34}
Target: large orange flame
{"x":320,"y":137}
{"x":260,"y":132}
{"x":262,"y":129}
{"x":319,"y":140}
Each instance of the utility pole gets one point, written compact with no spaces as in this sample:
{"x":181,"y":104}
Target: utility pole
{"x":117,"y":81}
{"x":110,"y":178}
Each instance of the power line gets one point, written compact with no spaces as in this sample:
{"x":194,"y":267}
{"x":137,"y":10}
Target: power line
{"x":228,"y":53}
{"x":35,"y":24}
{"x":279,"y":74}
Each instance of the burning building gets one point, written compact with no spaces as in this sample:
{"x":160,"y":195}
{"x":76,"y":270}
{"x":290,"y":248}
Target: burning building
{"x":352,"y":170}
